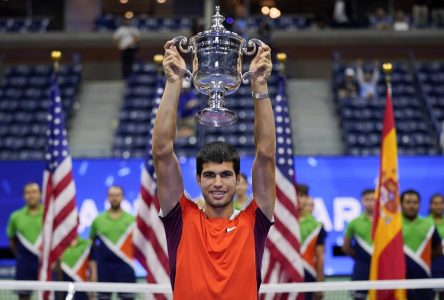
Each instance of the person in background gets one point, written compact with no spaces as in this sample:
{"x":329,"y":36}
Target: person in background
{"x":401,"y":22}
{"x":420,"y":13}
{"x":349,"y":88}
{"x":436,"y":215}
{"x":341,"y":14}
{"x":241,"y":197}
{"x":24,"y":233}
{"x":127,"y":39}
{"x":75,"y":265}
{"x":367,"y":79}
{"x":187,"y":109}
{"x":421,"y":243}
{"x":265,"y":31}
{"x":313,"y":237}
{"x":380,"y":20}
{"x":111,"y":233}
{"x":358,"y":241}
{"x":240,"y":25}
{"x":437,"y":13}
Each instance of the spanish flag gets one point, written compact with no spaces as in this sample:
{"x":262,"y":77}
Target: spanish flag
{"x":388,"y":260}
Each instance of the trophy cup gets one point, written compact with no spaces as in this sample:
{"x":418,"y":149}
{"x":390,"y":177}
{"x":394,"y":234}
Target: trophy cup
{"x":217,"y":66}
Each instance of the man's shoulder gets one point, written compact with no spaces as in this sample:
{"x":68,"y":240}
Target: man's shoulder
{"x":18,"y":213}
{"x":426,"y":221}
{"x":100,"y":216}
{"x":128,"y":216}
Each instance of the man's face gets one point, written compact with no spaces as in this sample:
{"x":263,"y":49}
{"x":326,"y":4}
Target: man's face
{"x":308,"y":206}
{"x":437,"y":206}
{"x":368,"y":202}
{"x":115,"y":197}
{"x":242,"y":186}
{"x":32,"y":195}
{"x":410,"y":206}
{"x":218,"y":183}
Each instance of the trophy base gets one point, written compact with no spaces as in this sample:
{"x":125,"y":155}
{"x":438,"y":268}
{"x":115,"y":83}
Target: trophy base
{"x":216,"y":117}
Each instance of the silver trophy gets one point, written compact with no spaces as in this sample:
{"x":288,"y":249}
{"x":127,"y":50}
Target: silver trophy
{"x":217,"y":68}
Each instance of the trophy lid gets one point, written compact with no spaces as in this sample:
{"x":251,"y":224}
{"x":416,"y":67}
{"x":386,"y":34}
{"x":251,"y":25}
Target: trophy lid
{"x":217,"y":28}
{"x":217,"y":20}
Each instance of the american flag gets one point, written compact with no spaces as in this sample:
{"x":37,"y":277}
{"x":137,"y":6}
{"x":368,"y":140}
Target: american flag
{"x":282,"y":261}
{"x":60,"y":213}
{"x":149,"y":240}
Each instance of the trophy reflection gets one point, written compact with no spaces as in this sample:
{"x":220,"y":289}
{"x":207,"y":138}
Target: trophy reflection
{"x":217,"y":68}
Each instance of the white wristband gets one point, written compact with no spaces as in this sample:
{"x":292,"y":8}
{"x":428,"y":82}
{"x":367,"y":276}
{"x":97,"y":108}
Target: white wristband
{"x":259,"y":96}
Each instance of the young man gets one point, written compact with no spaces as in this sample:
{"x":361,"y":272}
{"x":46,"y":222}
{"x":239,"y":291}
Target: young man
{"x":421,"y":243}
{"x":223,"y":250}
{"x":313,"y":237}
{"x":24,"y":232}
{"x":358,"y":241}
{"x":241,"y":197}
{"x":75,"y":265}
{"x":111,"y":233}
{"x":436,"y":214}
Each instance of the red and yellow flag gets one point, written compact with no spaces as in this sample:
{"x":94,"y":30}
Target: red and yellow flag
{"x":388,"y":260}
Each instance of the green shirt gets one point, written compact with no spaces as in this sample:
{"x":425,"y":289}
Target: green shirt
{"x":439,"y":226}
{"x":415,"y":232}
{"x":110,"y":228}
{"x":74,"y":252}
{"x":360,"y":227}
{"x":27,"y":225}
{"x":308,"y":224}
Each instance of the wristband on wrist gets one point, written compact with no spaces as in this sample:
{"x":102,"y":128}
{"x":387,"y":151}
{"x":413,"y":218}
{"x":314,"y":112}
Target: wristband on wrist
{"x":260,"y":96}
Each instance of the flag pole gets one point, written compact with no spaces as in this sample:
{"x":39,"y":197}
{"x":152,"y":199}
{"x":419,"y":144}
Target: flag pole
{"x":158,"y":60}
{"x":282,"y":59}
{"x":387,"y":68}
{"x":56,"y":57}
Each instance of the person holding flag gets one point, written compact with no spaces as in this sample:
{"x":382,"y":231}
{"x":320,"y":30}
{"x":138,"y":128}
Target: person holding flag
{"x":75,"y":264}
{"x":222,"y":247}
{"x":111,"y":233}
{"x":24,"y":233}
{"x":437,"y":216}
{"x":313,"y":237}
{"x":421,"y":243}
{"x":358,"y":241}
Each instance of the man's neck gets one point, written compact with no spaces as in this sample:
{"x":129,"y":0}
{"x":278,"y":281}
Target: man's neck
{"x":369,"y":214}
{"x":241,"y":198}
{"x":33,"y":209}
{"x":438,"y":217}
{"x":219,"y":212}
{"x":410,"y":218}
{"x":115,"y":212}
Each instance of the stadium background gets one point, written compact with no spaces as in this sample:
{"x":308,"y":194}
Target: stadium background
{"x":335,"y":167}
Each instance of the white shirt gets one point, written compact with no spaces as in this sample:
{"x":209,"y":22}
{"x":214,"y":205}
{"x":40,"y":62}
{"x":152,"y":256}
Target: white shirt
{"x":126,"y":37}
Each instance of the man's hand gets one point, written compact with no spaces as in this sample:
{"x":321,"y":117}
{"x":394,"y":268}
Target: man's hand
{"x":261,"y":66}
{"x":173,"y":63}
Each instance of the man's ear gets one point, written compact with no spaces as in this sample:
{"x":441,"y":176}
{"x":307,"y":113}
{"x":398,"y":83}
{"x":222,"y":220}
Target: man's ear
{"x":238,"y":177}
{"x":198,"y":179}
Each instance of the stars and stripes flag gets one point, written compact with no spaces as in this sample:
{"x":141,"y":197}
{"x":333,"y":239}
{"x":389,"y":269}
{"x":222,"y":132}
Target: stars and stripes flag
{"x":282,"y":260}
{"x":387,"y":220}
{"x":149,"y":239}
{"x":60,"y":213}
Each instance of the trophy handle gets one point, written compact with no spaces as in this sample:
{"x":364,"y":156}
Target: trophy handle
{"x":252,"y":44}
{"x":244,"y":78}
{"x":187,"y":75}
{"x":182,"y":44}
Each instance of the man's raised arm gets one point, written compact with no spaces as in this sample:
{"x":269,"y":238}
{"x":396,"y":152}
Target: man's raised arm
{"x":264,"y":189}
{"x":169,"y":177}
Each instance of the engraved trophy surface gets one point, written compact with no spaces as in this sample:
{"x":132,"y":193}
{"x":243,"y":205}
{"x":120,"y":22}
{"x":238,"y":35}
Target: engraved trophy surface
{"x":217,"y":66}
